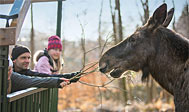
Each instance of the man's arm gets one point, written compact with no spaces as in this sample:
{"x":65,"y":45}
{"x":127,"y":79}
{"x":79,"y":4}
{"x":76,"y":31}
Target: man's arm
{"x":20,"y":82}
{"x":29,"y":72}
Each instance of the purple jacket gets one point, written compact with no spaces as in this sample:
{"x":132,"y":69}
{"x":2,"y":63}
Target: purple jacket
{"x":43,"y":65}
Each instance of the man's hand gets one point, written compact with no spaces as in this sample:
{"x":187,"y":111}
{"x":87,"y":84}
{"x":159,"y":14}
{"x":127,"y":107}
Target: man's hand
{"x":65,"y":82}
{"x":75,"y":77}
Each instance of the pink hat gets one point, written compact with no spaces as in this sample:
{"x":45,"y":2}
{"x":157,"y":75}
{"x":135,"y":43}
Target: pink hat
{"x":54,"y":42}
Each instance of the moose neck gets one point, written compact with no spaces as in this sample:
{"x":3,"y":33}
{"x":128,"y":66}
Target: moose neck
{"x":168,"y":62}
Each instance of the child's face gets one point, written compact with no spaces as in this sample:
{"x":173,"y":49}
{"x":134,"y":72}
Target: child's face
{"x":9,"y":72}
{"x":55,"y":53}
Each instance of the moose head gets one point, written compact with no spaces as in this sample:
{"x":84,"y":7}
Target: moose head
{"x":134,"y":52}
{"x":156,"y":51}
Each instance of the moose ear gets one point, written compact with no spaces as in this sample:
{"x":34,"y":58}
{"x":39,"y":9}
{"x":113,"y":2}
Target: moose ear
{"x":169,"y":17}
{"x":160,"y":14}
{"x":158,"y":17}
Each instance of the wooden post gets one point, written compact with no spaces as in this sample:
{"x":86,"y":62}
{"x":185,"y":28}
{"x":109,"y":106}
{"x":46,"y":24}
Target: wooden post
{"x":59,"y":19}
{"x":4,"y":50}
{"x":7,"y":36}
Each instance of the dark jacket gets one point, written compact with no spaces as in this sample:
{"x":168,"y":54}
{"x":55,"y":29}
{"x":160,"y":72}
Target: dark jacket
{"x":20,"y":82}
{"x":29,"y":72}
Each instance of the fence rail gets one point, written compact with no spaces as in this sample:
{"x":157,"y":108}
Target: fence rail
{"x":23,"y":93}
{"x":31,"y":100}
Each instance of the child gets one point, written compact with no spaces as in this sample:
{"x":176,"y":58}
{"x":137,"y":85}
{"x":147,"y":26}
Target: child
{"x":50,"y":62}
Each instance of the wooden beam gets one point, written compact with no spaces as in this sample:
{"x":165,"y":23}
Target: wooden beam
{"x":6,"y":1}
{"x":33,"y":1}
{"x":16,"y":23}
{"x":21,"y":17}
{"x":23,"y":93}
{"x":7,"y":36}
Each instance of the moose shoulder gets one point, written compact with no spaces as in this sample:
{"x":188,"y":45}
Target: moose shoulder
{"x":155,"y":50}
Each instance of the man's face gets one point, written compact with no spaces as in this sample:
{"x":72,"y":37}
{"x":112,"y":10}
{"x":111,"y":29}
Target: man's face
{"x":22,"y":62}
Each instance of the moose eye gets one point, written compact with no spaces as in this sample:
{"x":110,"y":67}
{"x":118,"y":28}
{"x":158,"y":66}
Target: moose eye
{"x":132,"y":39}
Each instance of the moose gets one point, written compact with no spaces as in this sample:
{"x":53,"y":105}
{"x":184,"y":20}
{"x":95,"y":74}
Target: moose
{"x":157,"y":51}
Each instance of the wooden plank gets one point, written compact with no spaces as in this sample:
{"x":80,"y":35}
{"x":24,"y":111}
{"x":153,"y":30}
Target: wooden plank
{"x":22,"y":16}
{"x":23,"y":93}
{"x":33,"y":1}
{"x":7,"y":36}
{"x":6,"y":1}
{"x":17,"y":6}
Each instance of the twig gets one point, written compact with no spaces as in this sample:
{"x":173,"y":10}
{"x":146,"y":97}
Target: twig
{"x":92,"y":49}
{"x":105,"y":43}
{"x":89,"y":67}
{"x":97,"y":85}
{"x":83,"y":74}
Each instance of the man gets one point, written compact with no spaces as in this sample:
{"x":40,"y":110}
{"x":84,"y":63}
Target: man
{"x":21,"y":58}
{"x":18,"y":82}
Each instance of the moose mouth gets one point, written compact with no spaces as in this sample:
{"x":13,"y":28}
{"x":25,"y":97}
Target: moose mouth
{"x":116,"y":73}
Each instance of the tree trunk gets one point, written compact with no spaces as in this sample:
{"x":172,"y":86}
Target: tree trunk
{"x":113,"y":23}
{"x":83,"y":49}
{"x":145,"y":6}
{"x":174,"y":28}
{"x":120,"y":21}
{"x":99,"y":30}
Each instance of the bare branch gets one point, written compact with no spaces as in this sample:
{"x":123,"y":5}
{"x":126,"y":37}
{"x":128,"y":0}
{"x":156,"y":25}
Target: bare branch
{"x":99,"y":26}
{"x":113,"y":22}
{"x":93,"y":85}
{"x":82,"y":41}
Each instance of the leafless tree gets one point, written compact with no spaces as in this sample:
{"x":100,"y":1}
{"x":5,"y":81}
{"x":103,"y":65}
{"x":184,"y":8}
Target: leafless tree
{"x":82,"y":42}
{"x":120,"y":20}
{"x":99,"y":27}
{"x":83,"y":47}
{"x":113,"y":22}
{"x":182,"y":25}
{"x":145,"y":5}
{"x":174,"y":27}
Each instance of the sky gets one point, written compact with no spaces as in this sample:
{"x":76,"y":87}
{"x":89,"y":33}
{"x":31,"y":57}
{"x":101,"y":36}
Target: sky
{"x":78,"y":14}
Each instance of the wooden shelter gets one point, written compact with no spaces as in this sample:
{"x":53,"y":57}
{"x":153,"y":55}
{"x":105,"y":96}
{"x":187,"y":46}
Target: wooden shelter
{"x":31,"y":99}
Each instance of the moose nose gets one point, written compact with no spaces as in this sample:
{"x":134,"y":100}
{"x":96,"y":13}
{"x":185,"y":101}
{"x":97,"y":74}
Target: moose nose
{"x":103,"y":67}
